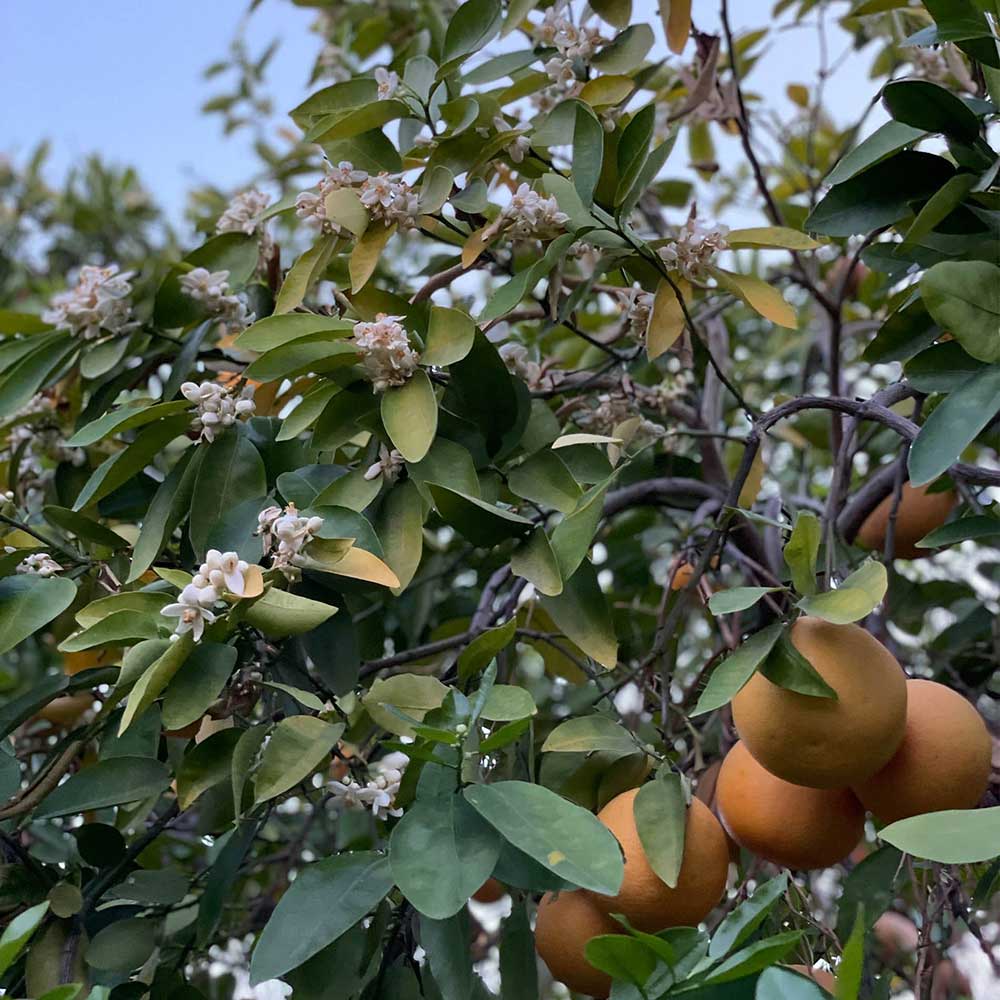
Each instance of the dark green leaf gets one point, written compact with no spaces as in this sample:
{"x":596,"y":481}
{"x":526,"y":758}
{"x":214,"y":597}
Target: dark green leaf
{"x":106,"y":783}
{"x":660,"y":820}
{"x":728,"y":679}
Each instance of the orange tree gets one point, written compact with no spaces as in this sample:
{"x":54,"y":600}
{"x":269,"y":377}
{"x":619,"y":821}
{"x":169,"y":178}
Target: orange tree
{"x":451,"y":512}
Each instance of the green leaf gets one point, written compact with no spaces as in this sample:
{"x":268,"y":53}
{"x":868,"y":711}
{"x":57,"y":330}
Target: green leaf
{"x":165,"y":886}
{"x":413,"y":694}
{"x":747,"y":917}
{"x":122,"y":626}
{"x":518,"y":967}
{"x":850,"y":971}
{"x":582,"y":614}
{"x":86,"y":529}
{"x":410,"y":416}
{"x":660,"y":819}
{"x":441,"y":852}
{"x":588,"y":733}
{"x":767,"y":237}
{"x":447,"y":945}
{"x":801,"y":551}
{"x":858,"y":596}
{"x":169,"y":505}
{"x":544,"y":478}
{"x":128,"y":417}
{"x":560,"y":836}
{"x":279,"y":614}
{"x":588,"y":152}
{"x":626,"y":52}
{"x":400,"y":527}
{"x":776,"y":983}
{"x":755,"y":957}
{"x":477,"y":655}
{"x":964,"y":298}
{"x":880,"y":195}
{"x":109,"y":782}
{"x":28,"y":603}
{"x":622,"y":957}
{"x":18,"y":932}
{"x":928,"y":106}
{"x":470,"y":28}
{"x":367,"y":251}
{"x":197,"y":683}
{"x":22,"y":380}
{"x":206,"y":765}
{"x":951,"y":837}
{"x":788,"y":668}
{"x":343,"y":206}
{"x":953,"y":425}
{"x":939,"y":206}
{"x":122,"y":946}
{"x":884,"y":141}
{"x":278,"y":330}
{"x":307,"y":354}
{"x":298,"y":745}
{"x":534,"y":561}
{"x":725,"y":602}
{"x":131,"y":460}
{"x":574,"y":534}
{"x":507,"y":702}
{"x":965,"y":528}
{"x":154,"y":679}
{"x":302,"y":275}
{"x":450,"y":335}
{"x":872,"y":883}
{"x":481,"y":523}
{"x":305,"y":698}
{"x":325,"y":900}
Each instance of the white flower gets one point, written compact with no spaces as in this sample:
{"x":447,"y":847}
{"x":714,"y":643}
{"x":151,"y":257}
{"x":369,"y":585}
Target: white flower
{"x":98,"y":301}
{"x":570,"y":40}
{"x":519,"y":362}
{"x":379,"y":794}
{"x":637,"y":306}
{"x":560,"y":71}
{"x":385,"y":350}
{"x":39,"y":444}
{"x":242,"y":214}
{"x":223,"y":570}
{"x":389,"y":464}
{"x":518,"y":147}
{"x":285,"y":534}
{"x":390,"y":199}
{"x":217,"y":407}
{"x":696,"y":244}
{"x":38,"y":564}
{"x":388,"y":82}
{"x":529,"y":214}
{"x":193,"y":608}
{"x":211,"y":289}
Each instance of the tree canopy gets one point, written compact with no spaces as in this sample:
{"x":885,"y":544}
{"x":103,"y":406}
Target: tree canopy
{"x":467,"y":470}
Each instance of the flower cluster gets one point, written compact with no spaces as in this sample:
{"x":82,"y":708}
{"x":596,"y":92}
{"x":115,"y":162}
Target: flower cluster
{"x":379,"y":793}
{"x":285,"y":534}
{"x":244,"y":215}
{"x":38,"y":564}
{"x":612,"y":410}
{"x":530,"y":215}
{"x":519,"y":362}
{"x":388,"y":198}
{"x":389,"y":465}
{"x":40,"y":445}
{"x":217,"y":406}
{"x":637,"y":307}
{"x":573,"y":44}
{"x":211,"y":289}
{"x":221,"y":572}
{"x":99,"y":301}
{"x":696,"y":244}
{"x":385,"y":350}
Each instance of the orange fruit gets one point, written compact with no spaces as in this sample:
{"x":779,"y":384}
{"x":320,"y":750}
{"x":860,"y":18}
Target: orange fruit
{"x":682,"y":576}
{"x":919,"y":513}
{"x":788,"y":824}
{"x":827,"y":742}
{"x":566,"y":922}
{"x":66,"y":710}
{"x":944,"y":761}
{"x":491,"y":891}
{"x":647,"y":901}
{"x":823,"y":978}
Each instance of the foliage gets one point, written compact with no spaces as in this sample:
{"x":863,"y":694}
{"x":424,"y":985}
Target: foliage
{"x":360,"y":550}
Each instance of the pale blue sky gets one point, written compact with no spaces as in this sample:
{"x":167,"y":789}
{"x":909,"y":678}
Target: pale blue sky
{"x":126,"y":79}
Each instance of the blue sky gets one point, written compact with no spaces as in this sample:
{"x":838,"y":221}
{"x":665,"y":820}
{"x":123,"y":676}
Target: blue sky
{"x":126,"y":79}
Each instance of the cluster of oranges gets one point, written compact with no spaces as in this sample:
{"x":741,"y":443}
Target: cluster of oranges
{"x":794,"y":790}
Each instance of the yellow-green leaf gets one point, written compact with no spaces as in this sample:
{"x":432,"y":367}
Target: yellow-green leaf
{"x":758,"y":295}
{"x":344,"y":207}
{"x":666,"y":321}
{"x":764,"y":237}
{"x":366,"y":253}
{"x":410,"y":416}
{"x":302,"y":276}
{"x":450,"y":335}
{"x":605,"y":90}
{"x":676,"y":15}
{"x":359,"y":564}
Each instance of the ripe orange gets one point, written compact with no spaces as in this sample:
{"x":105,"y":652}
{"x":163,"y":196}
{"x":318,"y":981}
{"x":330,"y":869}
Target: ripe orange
{"x":919,"y":513}
{"x":565,"y":924}
{"x":788,"y":824}
{"x":490,"y":891}
{"x":944,"y":761}
{"x":823,"y":978}
{"x":648,"y":902}
{"x":827,"y":742}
